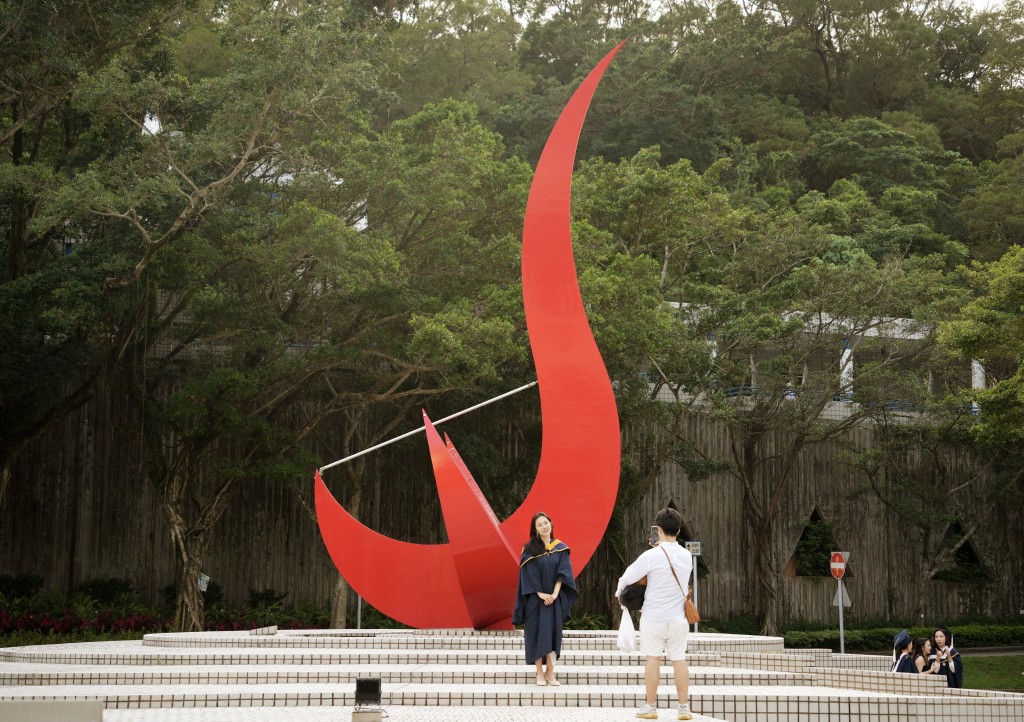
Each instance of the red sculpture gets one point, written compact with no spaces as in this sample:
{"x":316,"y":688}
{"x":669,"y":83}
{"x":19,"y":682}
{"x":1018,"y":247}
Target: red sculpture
{"x":471,"y":580}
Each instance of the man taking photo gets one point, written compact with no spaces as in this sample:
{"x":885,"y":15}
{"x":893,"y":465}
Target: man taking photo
{"x":663,"y":625}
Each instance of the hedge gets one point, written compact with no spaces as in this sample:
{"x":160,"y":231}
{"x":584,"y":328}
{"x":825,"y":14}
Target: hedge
{"x":875,"y":640}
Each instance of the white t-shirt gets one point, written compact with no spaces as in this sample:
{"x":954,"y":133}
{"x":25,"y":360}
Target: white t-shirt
{"x":663,"y":600}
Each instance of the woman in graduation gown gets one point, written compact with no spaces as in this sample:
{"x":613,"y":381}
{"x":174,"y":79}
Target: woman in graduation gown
{"x":547,"y":591}
{"x":950,"y":662}
{"x":924,"y":659}
{"x":902,"y":659}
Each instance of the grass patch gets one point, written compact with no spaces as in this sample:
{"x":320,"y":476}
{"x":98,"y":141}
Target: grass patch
{"x":995,"y":672}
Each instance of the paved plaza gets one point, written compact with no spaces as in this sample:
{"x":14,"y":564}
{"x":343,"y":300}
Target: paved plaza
{"x":455,"y":675}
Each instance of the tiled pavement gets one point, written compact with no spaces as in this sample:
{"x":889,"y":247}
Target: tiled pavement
{"x":455,"y":675}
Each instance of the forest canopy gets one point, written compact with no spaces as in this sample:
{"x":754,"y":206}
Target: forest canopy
{"x":223,"y":207}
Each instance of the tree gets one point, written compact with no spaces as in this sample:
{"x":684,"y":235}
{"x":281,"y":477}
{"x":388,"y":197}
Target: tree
{"x":989,"y":328}
{"x":185,"y":253}
{"x":762,"y":307}
{"x":464,"y":50}
{"x":58,"y":334}
{"x":317,"y":316}
{"x":953,"y":466}
{"x":993,"y":213}
{"x":927,"y":475}
{"x":438,"y":194}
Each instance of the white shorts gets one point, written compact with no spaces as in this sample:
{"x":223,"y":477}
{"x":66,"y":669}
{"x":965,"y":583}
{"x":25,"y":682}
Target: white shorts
{"x":667,"y":638}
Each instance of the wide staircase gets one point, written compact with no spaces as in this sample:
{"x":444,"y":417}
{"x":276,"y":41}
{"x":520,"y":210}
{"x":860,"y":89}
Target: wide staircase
{"x":454,"y":675}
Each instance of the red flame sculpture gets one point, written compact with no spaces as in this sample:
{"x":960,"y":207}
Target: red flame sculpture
{"x":471,"y":580}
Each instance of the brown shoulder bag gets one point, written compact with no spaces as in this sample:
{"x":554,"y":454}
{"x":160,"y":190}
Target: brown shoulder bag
{"x":689,"y":608}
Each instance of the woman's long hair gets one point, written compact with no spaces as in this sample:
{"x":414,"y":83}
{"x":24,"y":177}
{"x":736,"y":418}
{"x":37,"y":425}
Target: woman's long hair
{"x":535,"y":547}
{"x":919,"y":648}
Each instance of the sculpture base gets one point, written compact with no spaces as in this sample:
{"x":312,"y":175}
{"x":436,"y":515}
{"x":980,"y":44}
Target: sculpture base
{"x":368,"y":715}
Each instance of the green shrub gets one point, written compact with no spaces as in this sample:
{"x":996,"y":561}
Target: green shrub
{"x":265,"y":598}
{"x":212,"y":597}
{"x":307,"y":615}
{"x":814,"y":549}
{"x":589,"y":622}
{"x":24,"y":638}
{"x":373,"y":619}
{"x":880,"y":639}
{"x":20,"y":586}
{"x":105,"y":591}
{"x":740,"y":624}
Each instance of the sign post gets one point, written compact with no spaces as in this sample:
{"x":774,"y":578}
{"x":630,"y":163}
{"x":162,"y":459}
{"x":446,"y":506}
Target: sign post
{"x":837,"y":565}
{"x":694,"y":548}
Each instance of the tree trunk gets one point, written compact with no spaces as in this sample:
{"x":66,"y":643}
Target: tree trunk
{"x":189,"y":547}
{"x":17,"y":260}
{"x":189,"y":610}
{"x":339,"y":598}
{"x":339,"y":603}
{"x":764,"y":570}
{"x":759,"y":513}
{"x":5,"y":479}
{"x":924,"y":575}
{"x":190,"y":606}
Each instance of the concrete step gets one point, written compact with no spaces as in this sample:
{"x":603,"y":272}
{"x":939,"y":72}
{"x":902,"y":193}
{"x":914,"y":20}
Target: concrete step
{"x":228,"y":677}
{"x":340,"y":639}
{"x":590,"y":676}
{"x":394,"y":714}
{"x":409,"y":693}
{"x":137,"y":654}
{"x":744,"y":704}
{"x":53,"y":711}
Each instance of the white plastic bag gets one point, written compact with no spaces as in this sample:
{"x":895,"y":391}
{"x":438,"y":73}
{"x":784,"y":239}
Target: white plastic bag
{"x":627,"y":635}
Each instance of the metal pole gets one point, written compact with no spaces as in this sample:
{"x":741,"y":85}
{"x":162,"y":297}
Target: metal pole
{"x":359,"y":612}
{"x":696,"y":601}
{"x":842,"y":632}
{"x":420,"y":430}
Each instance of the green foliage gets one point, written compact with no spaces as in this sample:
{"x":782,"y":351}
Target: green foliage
{"x":814,"y":549}
{"x":26,"y":638}
{"x":880,"y":639}
{"x":739,"y":624}
{"x":965,"y":568}
{"x":20,"y":586}
{"x":990,"y":328}
{"x":266,"y":598}
{"x":213,"y":597}
{"x":463,"y":50}
{"x":106,"y":591}
{"x":372,"y":619}
{"x":589,"y":622}
{"x":330,"y":213}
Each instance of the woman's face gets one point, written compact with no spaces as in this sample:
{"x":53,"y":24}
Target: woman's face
{"x":543,"y":526}
{"x":926,"y":647}
{"x":940,"y":639}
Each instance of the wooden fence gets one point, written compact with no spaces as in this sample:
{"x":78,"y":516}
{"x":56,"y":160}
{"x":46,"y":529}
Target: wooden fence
{"x":82,"y":506}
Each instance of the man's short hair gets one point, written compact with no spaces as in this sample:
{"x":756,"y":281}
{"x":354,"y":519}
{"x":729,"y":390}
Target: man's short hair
{"x":669,"y":521}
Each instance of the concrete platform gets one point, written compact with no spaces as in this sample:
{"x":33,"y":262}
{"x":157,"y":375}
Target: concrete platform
{"x":453,"y":675}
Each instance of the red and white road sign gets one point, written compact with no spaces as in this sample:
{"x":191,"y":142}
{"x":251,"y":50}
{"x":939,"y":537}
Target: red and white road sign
{"x":838,"y":565}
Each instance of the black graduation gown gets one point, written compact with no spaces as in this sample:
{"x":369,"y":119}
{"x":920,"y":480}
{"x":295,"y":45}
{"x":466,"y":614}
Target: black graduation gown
{"x":905,"y":664}
{"x":542,"y":624}
{"x":954,"y":678}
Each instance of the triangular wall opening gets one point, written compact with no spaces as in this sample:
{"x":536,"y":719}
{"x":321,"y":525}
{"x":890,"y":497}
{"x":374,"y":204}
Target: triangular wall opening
{"x":967,"y":566}
{"x":686,"y":536}
{"x":813,"y":552}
